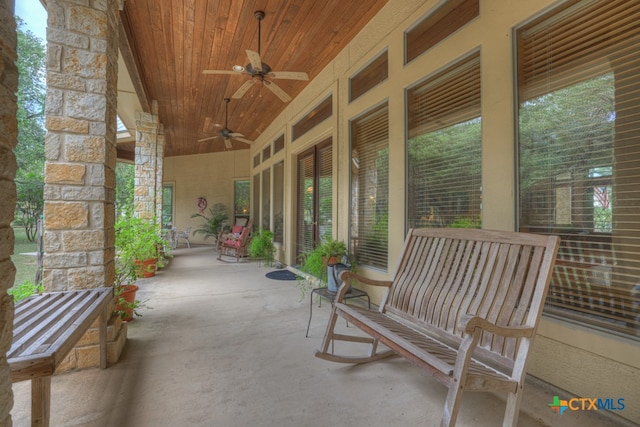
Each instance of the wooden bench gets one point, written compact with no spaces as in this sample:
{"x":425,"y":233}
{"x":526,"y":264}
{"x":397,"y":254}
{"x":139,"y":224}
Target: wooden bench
{"x":463,"y":305}
{"x":45,"y":328}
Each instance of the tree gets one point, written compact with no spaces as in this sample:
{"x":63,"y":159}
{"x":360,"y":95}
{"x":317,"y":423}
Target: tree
{"x":124,"y":188}
{"x":31,"y":131}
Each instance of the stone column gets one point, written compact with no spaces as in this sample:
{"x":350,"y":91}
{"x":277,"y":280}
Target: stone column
{"x":159,"y":172}
{"x":148,"y":132}
{"x":80,"y":146}
{"x":8,"y":166}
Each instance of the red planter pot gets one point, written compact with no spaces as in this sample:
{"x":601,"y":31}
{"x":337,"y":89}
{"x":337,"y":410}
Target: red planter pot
{"x":146,"y":268}
{"x":129,"y":296}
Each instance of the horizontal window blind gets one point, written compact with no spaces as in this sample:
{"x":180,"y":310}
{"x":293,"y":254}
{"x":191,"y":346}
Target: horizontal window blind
{"x":444,"y":161}
{"x":579,"y":156}
{"x":449,"y":98}
{"x":370,"y":187}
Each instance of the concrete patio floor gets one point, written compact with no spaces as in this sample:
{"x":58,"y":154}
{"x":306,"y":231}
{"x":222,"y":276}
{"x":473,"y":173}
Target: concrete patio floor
{"x":225,"y":346}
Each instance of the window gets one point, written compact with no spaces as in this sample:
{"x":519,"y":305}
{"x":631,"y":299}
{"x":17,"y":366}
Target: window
{"x":444,"y":158}
{"x":278,"y":202}
{"x":370,"y":187}
{"x":579,"y":156}
{"x":313,"y":118}
{"x":241,"y":194}
{"x":373,"y":74}
{"x":256,"y":200}
{"x":266,"y":199}
{"x":278,"y":144}
{"x":167,"y":205}
{"x":440,"y":24}
{"x":256,"y":160}
{"x":266,"y":153}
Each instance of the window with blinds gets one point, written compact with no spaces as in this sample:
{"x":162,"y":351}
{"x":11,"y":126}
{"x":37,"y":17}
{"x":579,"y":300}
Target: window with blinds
{"x":370,"y":187}
{"x":445,"y":20}
{"x":256,"y":201}
{"x":266,"y":200}
{"x":320,"y":113}
{"x":579,"y":156}
{"x":444,"y":150}
{"x":278,"y":202}
{"x":369,"y":77}
{"x":278,"y":144}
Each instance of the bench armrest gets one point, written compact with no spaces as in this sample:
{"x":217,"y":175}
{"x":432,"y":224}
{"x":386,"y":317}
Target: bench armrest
{"x":470,"y":323}
{"x":350,"y":275}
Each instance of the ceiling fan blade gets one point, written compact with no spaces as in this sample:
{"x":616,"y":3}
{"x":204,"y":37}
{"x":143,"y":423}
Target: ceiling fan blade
{"x":220,"y":72}
{"x":278,"y":91}
{"x":207,"y":139}
{"x":254,"y":58}
{"x":236,"y":134}
{"x":245,"y":140}
{"x":227,"y":143}
{"x":289,"y":75}
{"x":243,"y":89}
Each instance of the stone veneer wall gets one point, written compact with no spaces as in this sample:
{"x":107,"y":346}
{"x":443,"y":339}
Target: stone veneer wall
{"x":80,"y":150}
{"x":80,"y":147}
{"x":148,"y":131}
{"x":8,"y":167}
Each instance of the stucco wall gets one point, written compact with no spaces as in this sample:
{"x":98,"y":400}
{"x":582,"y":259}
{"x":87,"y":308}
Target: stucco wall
{"x":583,"y":362}
{"x":205,"y":175}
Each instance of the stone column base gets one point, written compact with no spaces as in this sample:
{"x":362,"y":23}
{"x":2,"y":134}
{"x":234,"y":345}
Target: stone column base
{"x":86,"y":354}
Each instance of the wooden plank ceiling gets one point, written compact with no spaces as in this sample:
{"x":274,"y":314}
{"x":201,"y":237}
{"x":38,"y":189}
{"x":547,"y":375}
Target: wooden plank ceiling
{"x":171,"y":42}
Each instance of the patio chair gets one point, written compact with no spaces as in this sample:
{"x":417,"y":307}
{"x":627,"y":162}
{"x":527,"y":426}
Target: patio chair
{"x":181,"y":235}
{"x":236,"y":245}
{"x":226,"y":232}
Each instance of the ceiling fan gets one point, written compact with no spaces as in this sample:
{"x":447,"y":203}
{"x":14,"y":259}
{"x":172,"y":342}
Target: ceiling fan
{"x":259,"y":71}
{"x":227,"y":134}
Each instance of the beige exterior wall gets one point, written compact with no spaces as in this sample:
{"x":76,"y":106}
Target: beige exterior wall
{"x":205,"y":175}
{"x":573,"y":358}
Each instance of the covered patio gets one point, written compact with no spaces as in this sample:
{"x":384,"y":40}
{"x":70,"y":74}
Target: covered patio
{"x":225,"y":346}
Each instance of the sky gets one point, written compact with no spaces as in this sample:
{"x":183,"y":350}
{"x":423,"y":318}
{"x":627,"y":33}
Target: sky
{"x":34,"y":15}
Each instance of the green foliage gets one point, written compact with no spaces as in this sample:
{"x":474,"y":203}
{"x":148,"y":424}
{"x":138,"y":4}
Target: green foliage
{"x":218,"y":214}
{"x":314,"y":262}
{"x":466,"y":222}
{"x":125,"y":173}
{"x":24,"y":290}
{"x":261,"y":246}
{"x":136,"y":239}
{"x":30,"y":115}
{"x":30,"y":202}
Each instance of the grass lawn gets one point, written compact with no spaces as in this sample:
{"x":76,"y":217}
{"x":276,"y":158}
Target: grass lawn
{"x":25,"y":264}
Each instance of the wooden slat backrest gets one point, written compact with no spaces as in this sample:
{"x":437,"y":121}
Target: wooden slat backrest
{"x":446,"y":273}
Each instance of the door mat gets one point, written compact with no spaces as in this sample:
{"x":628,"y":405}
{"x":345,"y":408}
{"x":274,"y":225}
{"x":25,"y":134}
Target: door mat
{"x":283,"y":274}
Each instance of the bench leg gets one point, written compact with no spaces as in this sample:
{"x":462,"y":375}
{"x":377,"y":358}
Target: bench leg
{"x":103,"y":338}
{"x":513,"y":408}
{"x":40,"y":401}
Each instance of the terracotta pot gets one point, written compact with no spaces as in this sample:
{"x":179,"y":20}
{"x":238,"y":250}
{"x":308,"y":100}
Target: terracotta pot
{"x":146,"y":268}
{"x":129,"y":295}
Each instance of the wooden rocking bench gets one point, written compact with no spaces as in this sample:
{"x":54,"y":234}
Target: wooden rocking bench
{"x":463,"y":305}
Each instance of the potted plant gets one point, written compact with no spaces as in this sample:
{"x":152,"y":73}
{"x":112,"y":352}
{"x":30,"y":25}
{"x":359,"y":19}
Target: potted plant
{"x":218,"y":214}
{"x":128,"y":248}
{"x":137,"y":242}
{"x":325,"y":263}
{"x":261,"y":246}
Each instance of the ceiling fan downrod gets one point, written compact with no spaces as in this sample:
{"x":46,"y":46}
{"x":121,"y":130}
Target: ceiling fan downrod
{"x":259,"y":14}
